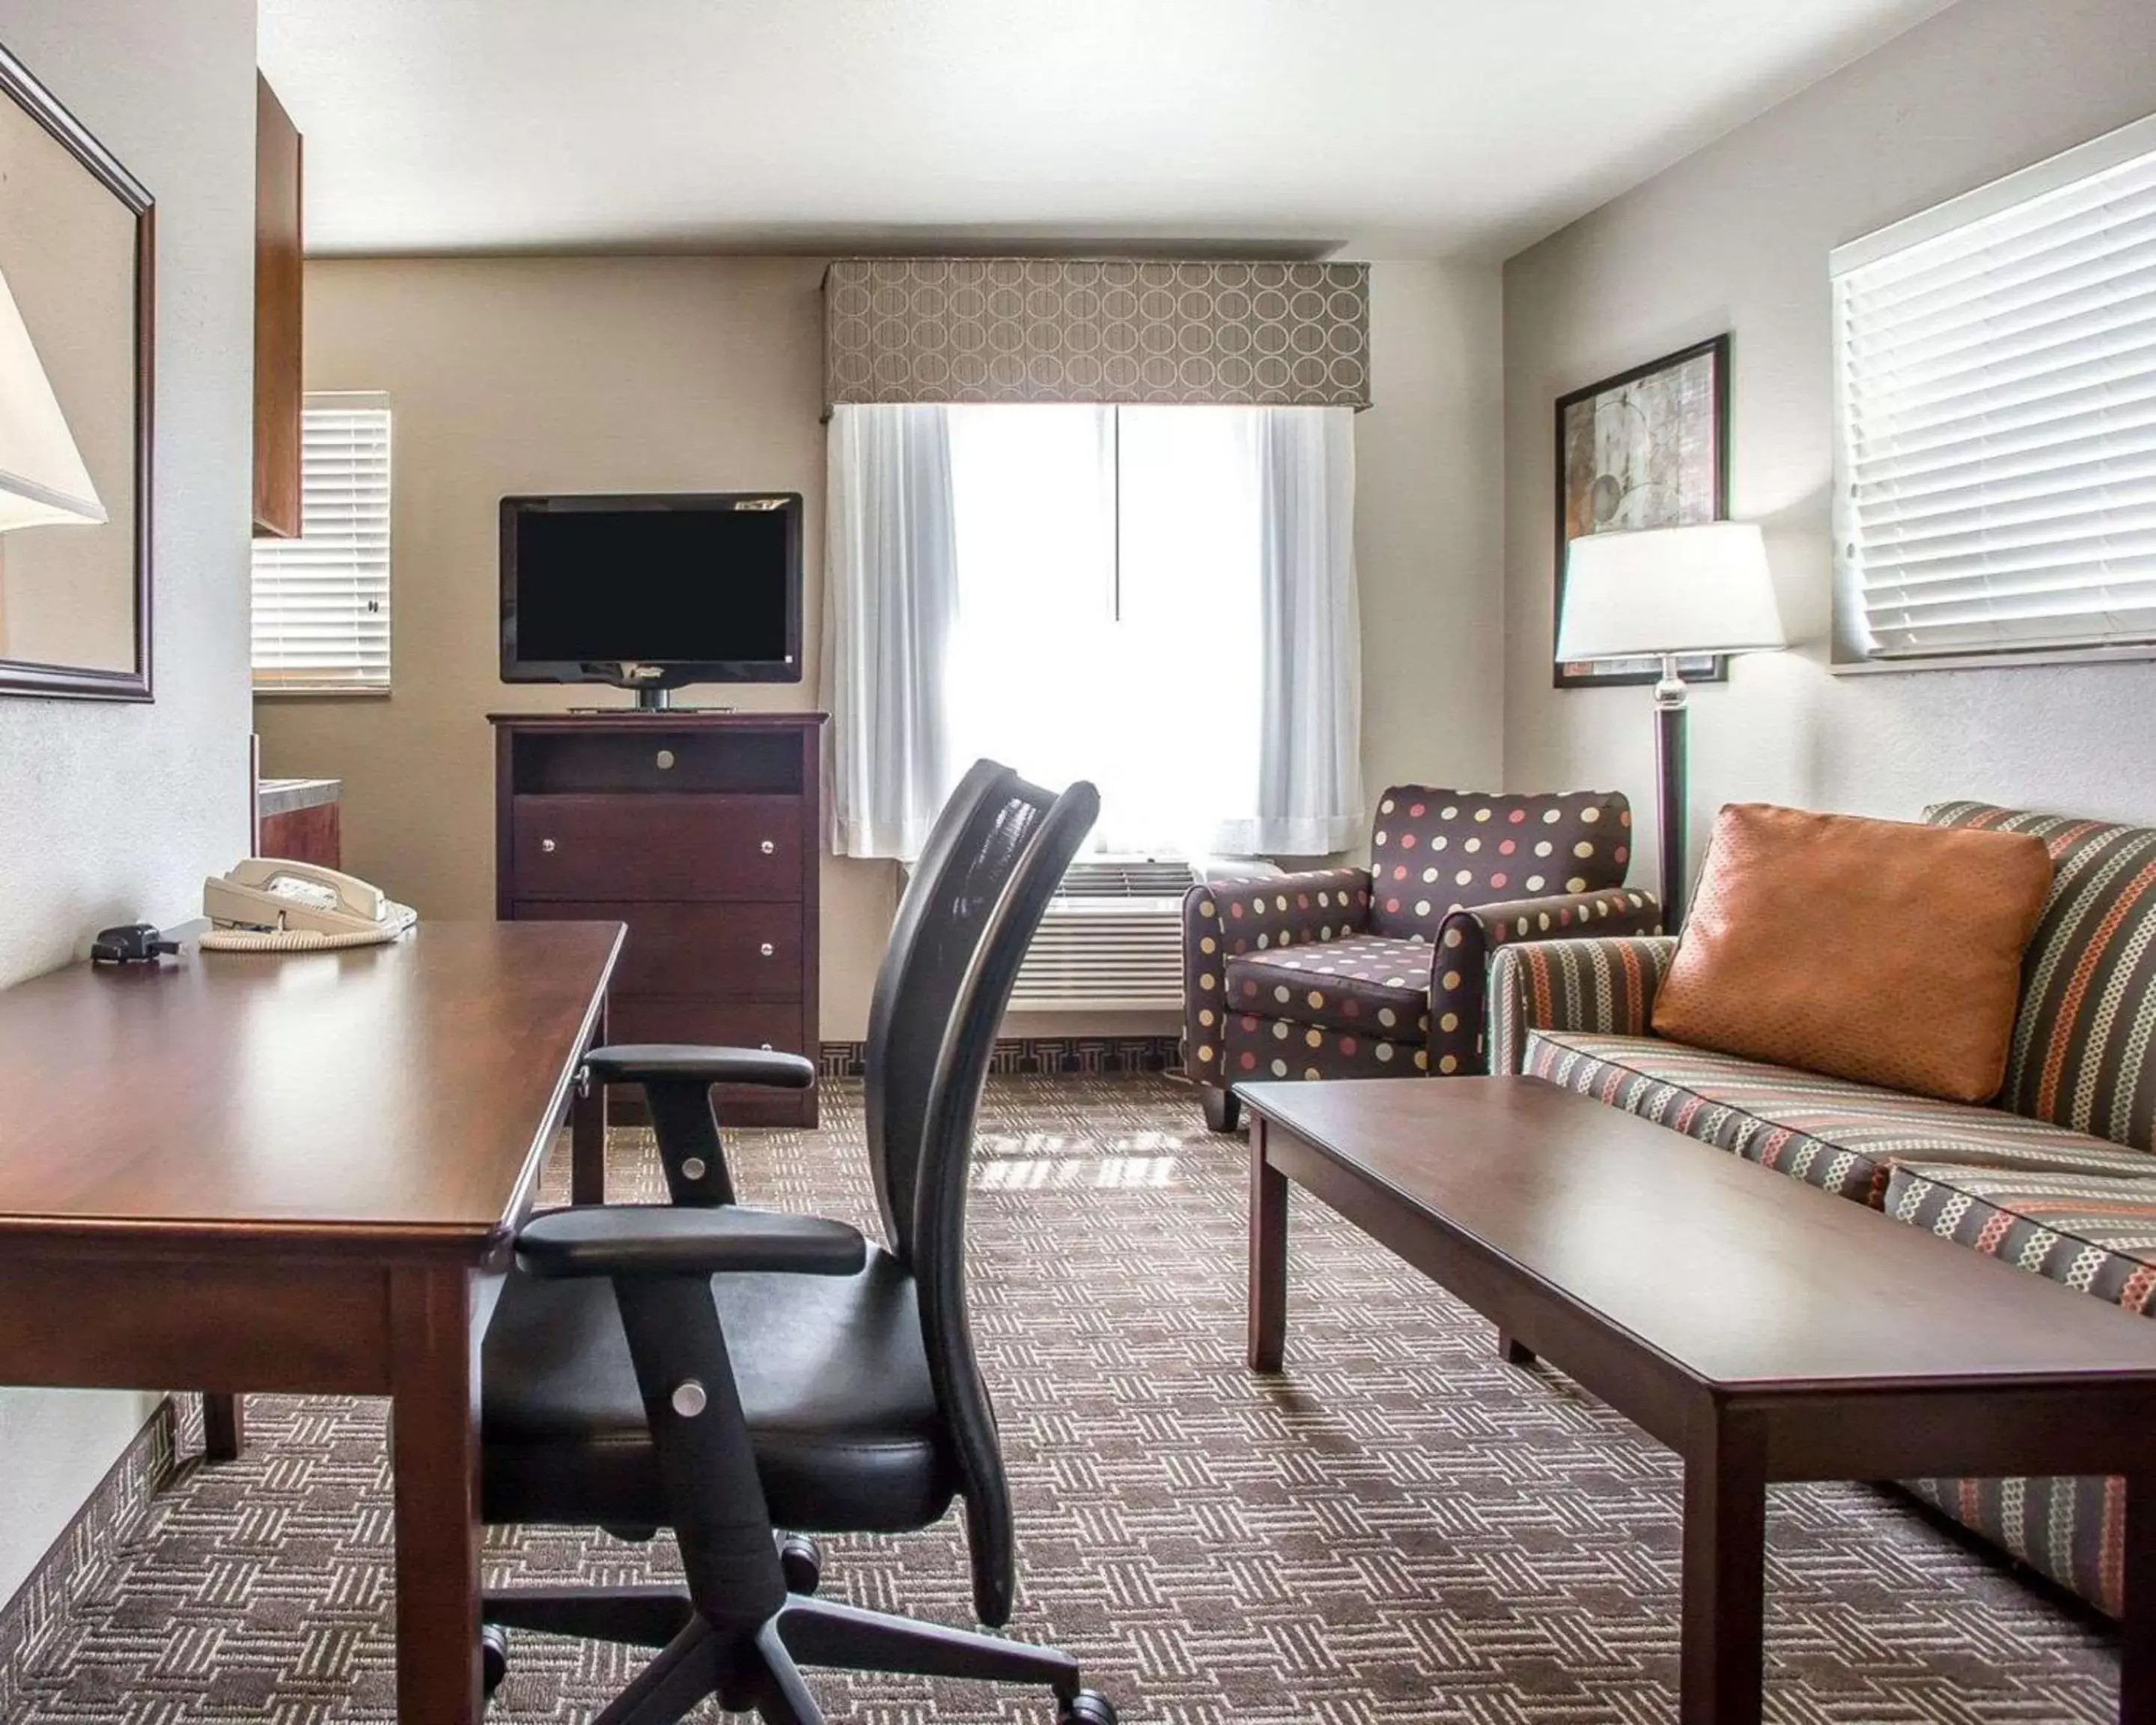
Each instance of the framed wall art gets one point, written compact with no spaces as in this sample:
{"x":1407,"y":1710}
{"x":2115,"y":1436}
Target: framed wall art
{"x":1648,"y":448}
{"x":77,"y":274}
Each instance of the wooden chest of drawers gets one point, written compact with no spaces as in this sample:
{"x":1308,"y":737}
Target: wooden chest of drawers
{"x":698,"y":831}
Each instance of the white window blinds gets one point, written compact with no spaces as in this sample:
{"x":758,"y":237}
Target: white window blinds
{"x":322,"y":600}
{"x":1995,"y":458}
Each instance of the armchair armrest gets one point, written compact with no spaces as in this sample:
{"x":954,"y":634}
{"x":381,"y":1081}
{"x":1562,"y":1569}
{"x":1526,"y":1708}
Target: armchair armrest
{"x":1225,"y":917}
{"x":652,"y":1240}
{"x":1468,"y":936}
{"x":1601,"y":985}
{"x":680,"y":1063}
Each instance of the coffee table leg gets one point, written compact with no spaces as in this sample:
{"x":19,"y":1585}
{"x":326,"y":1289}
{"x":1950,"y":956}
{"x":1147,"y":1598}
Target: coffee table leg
{"x":1268,"y":1255}
{"x":1725,"y":1538}
{"x":2136,"y":1644}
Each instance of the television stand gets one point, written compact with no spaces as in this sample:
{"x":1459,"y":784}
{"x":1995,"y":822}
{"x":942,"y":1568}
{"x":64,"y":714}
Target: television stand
{"x":699,"y":830}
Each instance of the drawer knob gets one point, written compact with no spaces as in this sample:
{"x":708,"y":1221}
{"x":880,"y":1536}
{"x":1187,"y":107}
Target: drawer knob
{"x":547,"y":845}
{"x":666,"y":760}
{"x":767,"y":847}
{"x":766,"y":949}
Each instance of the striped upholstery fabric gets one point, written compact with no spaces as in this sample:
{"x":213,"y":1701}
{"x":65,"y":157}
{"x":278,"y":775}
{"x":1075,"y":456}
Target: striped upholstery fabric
{"x":2095,"y":1233}
{"x":1829,"y":1132}
{"x":2056,"y":1179}
{"x":1599,"y":984}
{"x":2081,"y":1045}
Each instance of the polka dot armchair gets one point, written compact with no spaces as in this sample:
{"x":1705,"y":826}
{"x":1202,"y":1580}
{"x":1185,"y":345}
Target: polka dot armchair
{"x":1378,"y":972}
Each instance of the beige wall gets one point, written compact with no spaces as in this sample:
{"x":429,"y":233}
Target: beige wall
{"x":513,"y":375}
{"x":1736,"y":237}
{"x":109,"y":813}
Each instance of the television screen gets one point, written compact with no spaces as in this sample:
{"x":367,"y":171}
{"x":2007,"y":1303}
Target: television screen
{"x":684,"y":582}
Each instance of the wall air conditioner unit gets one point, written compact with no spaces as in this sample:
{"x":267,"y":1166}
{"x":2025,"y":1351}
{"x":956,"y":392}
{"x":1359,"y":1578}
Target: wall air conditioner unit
{"x":1112,"y":938}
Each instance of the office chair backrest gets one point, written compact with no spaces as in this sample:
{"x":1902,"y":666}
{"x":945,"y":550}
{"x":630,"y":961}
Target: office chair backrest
{"x":995,"y":859}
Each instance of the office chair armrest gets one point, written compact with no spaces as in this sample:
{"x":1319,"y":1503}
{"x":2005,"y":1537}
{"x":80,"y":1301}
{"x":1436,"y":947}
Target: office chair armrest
{"x":661,"y":1062}
{"x":652,"y":1240}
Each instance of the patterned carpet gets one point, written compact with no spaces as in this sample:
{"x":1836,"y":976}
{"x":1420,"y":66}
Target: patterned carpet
{"x":1400,"y":1530}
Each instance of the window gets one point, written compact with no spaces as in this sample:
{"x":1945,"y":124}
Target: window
{"x":1995,"y":436}
{"x":1108,"y":581}
{"x":322,"y":600}
{"x":1159,"y":599}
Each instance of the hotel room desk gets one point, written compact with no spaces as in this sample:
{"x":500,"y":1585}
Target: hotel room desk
{"x":299,"y":1172}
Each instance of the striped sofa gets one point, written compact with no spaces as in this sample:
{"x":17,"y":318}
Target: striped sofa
{"x":2057,"y":1178}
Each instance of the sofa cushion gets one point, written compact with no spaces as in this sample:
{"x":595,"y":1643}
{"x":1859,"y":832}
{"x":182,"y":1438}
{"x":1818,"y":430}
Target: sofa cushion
{"x":2082,"y":1039}
{"x":1434,"y":849}
{"x":1829,"y":1133}
{"x":1364,"y":984}
{"x":2093,"y":1232}
{"x":1882,"y":951}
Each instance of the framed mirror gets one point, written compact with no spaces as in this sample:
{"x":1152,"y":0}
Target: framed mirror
{"x":77,"y":304}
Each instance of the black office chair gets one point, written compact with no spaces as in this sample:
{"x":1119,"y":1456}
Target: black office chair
{"x":725,"y":1371}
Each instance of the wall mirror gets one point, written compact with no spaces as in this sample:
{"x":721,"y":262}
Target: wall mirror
{"x":77,"y":262}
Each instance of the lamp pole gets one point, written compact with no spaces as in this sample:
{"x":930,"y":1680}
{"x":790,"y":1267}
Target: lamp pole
{"x":1671,"y":695}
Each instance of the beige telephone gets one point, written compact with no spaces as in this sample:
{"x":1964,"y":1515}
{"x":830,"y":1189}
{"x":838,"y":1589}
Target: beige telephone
{"x":270,"y":904}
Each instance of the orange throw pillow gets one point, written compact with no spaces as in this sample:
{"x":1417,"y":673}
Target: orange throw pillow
{"x":1874,"y":950}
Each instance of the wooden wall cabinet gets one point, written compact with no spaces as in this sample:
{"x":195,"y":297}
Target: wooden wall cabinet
{"x":700,"y":831}
{"x":278,"y":287}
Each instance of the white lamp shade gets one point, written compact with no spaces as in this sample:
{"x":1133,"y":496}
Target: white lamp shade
{"x":1668,"y":590}
{"x":43,"y":480}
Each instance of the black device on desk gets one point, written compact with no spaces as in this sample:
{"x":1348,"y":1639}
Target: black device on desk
{"x":130,"y":943}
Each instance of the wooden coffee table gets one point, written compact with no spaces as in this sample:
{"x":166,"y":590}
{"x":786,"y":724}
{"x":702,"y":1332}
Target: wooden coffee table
{"x":1762,"y":1329}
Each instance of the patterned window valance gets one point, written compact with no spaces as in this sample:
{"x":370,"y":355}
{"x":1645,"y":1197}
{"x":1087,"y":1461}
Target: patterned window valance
{"x":1097,"y":330}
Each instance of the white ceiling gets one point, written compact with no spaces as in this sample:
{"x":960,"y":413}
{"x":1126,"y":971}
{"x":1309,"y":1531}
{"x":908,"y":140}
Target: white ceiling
{"x":1416,"y":127}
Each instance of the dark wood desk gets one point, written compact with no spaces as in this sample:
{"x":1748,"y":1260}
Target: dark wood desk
{"x":298,"y":1172}
{"x":1762,"y":1329}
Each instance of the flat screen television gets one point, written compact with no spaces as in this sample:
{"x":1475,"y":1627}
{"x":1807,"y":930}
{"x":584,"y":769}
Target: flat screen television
{"x":650,"y":593}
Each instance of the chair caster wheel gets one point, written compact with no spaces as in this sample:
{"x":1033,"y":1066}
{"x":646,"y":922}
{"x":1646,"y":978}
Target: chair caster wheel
{"x":801,"y":1560}
{"x":1088,"y":1706}
{"x":493,"y":1657}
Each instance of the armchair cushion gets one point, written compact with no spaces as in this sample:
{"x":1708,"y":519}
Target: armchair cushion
{"x":1365,"y":982}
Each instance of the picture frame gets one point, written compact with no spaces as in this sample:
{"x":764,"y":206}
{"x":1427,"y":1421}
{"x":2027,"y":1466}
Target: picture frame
{"x":1646,"y":448}
{"x":78,"y":253}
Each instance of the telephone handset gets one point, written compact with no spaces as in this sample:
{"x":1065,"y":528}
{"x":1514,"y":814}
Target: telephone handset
{"x":270,"y":904}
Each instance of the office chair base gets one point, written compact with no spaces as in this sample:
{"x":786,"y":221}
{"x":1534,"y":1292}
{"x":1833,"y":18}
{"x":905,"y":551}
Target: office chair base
{"x":801,"y":1561}
{"x":759,"y":1671}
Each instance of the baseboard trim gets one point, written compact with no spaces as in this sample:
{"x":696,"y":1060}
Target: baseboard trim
{"x":107,"y":1517}
{"x":1040,"y":1056}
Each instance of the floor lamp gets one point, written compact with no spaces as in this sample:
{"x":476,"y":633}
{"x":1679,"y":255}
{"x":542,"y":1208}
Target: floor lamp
{"x":1659,"y":593}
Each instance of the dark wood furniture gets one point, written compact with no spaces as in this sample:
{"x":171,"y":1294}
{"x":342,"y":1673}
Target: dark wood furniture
{"x":1763,"y":1330}
{"x":277,"y":247}
{"x":242,"y":1172}
{"x":301,"y":818}
{"x":700,"y":831}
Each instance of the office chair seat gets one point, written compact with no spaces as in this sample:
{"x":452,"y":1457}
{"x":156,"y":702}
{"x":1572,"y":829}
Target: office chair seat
{"x":834,"y":1380}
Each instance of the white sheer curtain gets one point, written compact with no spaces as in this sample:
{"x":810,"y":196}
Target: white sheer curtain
{"x":1310,"y":704}
{"x":1159,"y":599}
{"x":890,"y":605}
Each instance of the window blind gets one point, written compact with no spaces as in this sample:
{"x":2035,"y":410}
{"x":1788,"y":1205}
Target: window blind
{"x":322,"y":600}
{"x":1996,"y":461}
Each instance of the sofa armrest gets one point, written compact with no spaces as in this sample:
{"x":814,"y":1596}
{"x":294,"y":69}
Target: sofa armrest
{"x":1226,"y":916}
{"x":1605,"y":985}
{"x":1469,"y":935}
